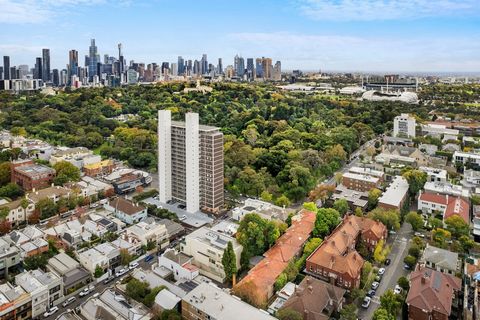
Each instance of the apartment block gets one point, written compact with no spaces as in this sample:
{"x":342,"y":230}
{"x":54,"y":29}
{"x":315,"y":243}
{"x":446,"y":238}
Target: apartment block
{"x":30,"y":176}
{"x":404,"y":126}
{"x":190,"y":163}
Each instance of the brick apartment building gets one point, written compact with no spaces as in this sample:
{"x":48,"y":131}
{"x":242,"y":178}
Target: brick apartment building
{"x":99,"y":168}
{"x":336,"y":260}
{"x":30,"y":175}
{"x":360,"y":182}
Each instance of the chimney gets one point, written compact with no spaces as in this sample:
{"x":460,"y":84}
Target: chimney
{"x":309,"y":280}
{"x":310,"y":289}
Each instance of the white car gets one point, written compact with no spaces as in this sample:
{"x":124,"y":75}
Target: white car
{"x":133,"y":265}
{"x":381,"y":271}
{"x":84,"y":292}
{"x":397,"y":289}
{"x":120,"y":272}
{"x":375,"y":285}
{"x":50,"y":312}
{"x":366,"y":302}
{"x":184,"y":217}
{"x":68,"y":301}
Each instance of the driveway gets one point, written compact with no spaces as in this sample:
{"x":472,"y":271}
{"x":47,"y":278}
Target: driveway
{"x":399,"y":244}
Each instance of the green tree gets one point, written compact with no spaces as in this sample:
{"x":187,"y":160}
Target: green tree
{"x":65,"y":172}
{"x":281,"y":281}
{"x":373,"y":196}
{"x":435,"y":222}
{"x":229,"y":262}
{"x":410,"y":261}
{"x":288,"y":314}
{"x":137,"y":289}
{"x":170,"y":315}
{"x":440,"y":237}
{"x":266,"y":196}
{"x":98,"y":272}
{"x":416,"y":180}
{"x":282,"y":201}
{"x":404,"y":283}
{"x":125,"y":257}
{"x":326,"y":221}
{"x":341,"y":205}
{"x":4,"y":173}
{"x":457,"y":226}
{"x":46,"y":208}
{"x":381,"y":252}
{"x":389,"y":302}
{"x":415,"y":220}
{"x":390,"y":218}
{"x":382,"y":314}
{"x":11,"y":191}
{"x":348,"y":312}
{"x":311,"y":245}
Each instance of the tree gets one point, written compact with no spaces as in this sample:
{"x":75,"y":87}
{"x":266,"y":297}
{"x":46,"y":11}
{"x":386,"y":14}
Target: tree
{"x":170,"y":315}
{"x":4,"y":173}
{"x":266,"y":196}
{"x":338,"y":177}
{"x":457,"y":226}
{"x":467,"y":243}
{"x":5,"y":226}
{"x":282,"y":201}
{"x":404,"y":283}
{"x":288,"y":314}
{"x":416,"y":180}
{"x":381,"y":251}
{"x":65,"y":172}
{"x":98,"y":272}
{"x":281,"y":281}
{"x":125,"y":257}
{"x":373,"y":196}
{"x":229,"y":262}
{"x":256,"y":234}
{"x":440,"y":236}
{"x":348,"y":312}
{"x":415,"y":220}
{"x":136,"y":289}
{"x":311,"y":245}
{"x":46,"y":208}
{"x":326,"y":221}
{"x":322,"y":192}
{"x":358,"y":212}
{"x":410,"y":261}
{"x":435,"y":222}
{"x":341,"y":205}
{"x":11,"y":190}
{"x":389,"y":302}
{"x":382,"y":314}
{"x":390,"y":218}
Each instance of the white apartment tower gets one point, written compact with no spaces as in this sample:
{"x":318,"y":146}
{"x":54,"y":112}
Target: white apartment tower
{"x":190,"y":163}
{"x":404,"y":126}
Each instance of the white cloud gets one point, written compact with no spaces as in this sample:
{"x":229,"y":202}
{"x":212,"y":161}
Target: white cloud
{"x":372,"y":10}
{"x":337,"y":52}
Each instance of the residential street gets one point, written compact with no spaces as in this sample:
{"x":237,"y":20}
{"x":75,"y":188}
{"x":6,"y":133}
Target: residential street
{"x":395,"y":270}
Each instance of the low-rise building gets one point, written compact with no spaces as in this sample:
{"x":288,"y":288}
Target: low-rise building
{"x":355,"y":199}
{"x":446,"y":205}
{"x":471,"y":178}
{"x":434,"y":174}
{"x":264,"y":209}
{"x":90,"y":187}
{"x":100,"y":168}
{"x":207,"y":301}
{"x":206,"y":247}
{"x":180,"y":264}
{"x":129,"y":243}
{"x":15,"y":303}
{"x":258,"y":284}
{"x":395,"y":195}
{"x":73,"y":275}
{"x":18,"y":211}
{"x":127,"y":211}
{"x":37,"y":290}
{"x":447,"y":188}
{"x":315,"y":299}
{"x":149,"y":230}
{"x":127,"y":180}
{"x":440,"y":259}
{"x":9,"y":256}
{"x":30,"y":176}
{"x":78,"y":156}
{"x":54,"y":193}
{"x":472,"y":158}
{"x":33,"y":247}
{"x":336,"y":260}
{"x":174,"y":229}
{"x":438,"y":130}
{"x":360,"y":182}
{"x":432,"y":295}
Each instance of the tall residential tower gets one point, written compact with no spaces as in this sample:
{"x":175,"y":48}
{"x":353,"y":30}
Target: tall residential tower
{"x":190,"y":163}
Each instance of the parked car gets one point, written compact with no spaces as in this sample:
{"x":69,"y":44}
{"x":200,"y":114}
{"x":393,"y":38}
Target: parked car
{"x":68,"y":301}
{"x":51,"y":311}
{"x":406,"y":266}
{"x":109,"y":279}
{"x":133,"y":265}
{"x":96,"y":295}
{"x":387,"y":262}
{"x":378,"y":278}
{"x":84,"y":292}
{"x":418,"y":234}
{"x":366,"y":302}
{"x":371,"y":293}
{"x":184,"y":217}
{"x":397,"y":289}
{"x":381,"y":271}
{"x":121,"y":272}
{"x":375,"y":285}
{"x":148,"y":258}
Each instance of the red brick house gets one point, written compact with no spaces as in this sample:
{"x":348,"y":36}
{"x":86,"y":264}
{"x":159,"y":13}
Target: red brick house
{"x":336,"y":260}
{"x":432,"y":295}
{"x":29,"y":175}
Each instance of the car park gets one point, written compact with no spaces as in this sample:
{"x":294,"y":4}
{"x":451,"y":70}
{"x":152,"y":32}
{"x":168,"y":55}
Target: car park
{"x":397,"y":289}
{"x":381,"y":271}
{"x":51,"y":311}
{"x":375,"y":285}
{"x":366,"y":302}
{"x":68,"y":301}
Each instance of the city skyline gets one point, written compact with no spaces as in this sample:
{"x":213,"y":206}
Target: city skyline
{"x":328,"y":35}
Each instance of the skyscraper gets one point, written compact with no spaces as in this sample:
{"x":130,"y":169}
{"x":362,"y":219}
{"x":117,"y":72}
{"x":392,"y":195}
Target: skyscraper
{"x":277,"y":71}
{"x":6,"y":68}
{"x":250,"y":69}
{"x":92,"y":60}
{"x":259,"y":67}
{"x":267,"y":68}
{"x":220,"y":66}
{"x":190,"y":163}
{"x":121,"y":60}
{"x":37,"y":73}
{"x":72,"y":63}
{"x":239,"y":66}
{"x":204,"y":65}
{"x":181,"y":66}
{"x":55,"y":77}
{"x":46,"y":65}
{"x":23,"y":71}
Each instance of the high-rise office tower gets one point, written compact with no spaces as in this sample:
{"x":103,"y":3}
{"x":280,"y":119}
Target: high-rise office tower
{"x":267,"y":68}
{"x":189,"y":67}
{"x":1,"y":73}
{"x":46,"y":65}
{"x":37,"y":74}
{"x":92,"y":60}
{"x":13,"y":73}
{"x":72,"y":63}
{"x":196,"y":68}
{"x":121,"y":60}
{"x":181,"y":66}
{"x":277,"y":71}
{"x":23,"y":71}
{"x":55,"y":77}
{"x":190,"y":163}
{"x":220,"y":66}
{"x":259,"y":67}
{"x":6,"y":68}
{"x":204,"y":65}
{"x":239,"y":65}
{"x":250,"y":69}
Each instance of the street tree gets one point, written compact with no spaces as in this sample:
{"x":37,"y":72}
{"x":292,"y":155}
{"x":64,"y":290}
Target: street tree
{"x":229,"y":262}
{"x":415,"y":220}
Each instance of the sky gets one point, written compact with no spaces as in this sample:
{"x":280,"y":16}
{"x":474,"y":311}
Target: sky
{"x":327,"y":35}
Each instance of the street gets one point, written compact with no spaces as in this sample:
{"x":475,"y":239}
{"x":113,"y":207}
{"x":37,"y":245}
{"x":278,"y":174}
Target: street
{"x":399,"y":244}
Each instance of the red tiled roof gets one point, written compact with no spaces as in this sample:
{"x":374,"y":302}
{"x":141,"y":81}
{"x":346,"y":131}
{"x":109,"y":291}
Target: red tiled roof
{"x":432,"y":290}
{"x":433,"y":197}
{"x":262,"y":277}
{"x":458,"y":206}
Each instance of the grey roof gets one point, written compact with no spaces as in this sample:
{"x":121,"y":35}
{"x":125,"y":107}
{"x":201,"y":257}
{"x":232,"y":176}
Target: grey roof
{"x":201,"y":127}
{"x":441,"y":257}
{"x":63,"y":263}
{"x":173,"y":228}
{"x":74,"y":276}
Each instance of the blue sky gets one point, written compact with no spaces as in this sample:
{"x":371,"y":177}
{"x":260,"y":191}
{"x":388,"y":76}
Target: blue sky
{"x":347,"y":35}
